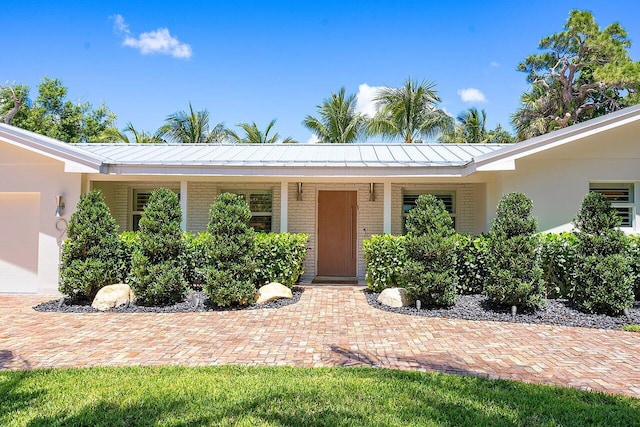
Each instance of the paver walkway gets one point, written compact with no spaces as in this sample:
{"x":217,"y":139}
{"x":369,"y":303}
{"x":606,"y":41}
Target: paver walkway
{"x":329,"y":326}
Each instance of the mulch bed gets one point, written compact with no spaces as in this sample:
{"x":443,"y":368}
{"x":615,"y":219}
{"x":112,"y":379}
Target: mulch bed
{"x":196,"y":301}
{"x":477,"y":307}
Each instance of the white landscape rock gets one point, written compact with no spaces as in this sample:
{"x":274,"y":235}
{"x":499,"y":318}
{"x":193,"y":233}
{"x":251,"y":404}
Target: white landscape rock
{"x":112,"y":296}
{"x":395,"y":297}
{"x":272,"y":291}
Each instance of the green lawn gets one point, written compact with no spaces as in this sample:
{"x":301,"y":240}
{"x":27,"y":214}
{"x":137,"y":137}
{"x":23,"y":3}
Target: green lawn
{"x":177,"y":396}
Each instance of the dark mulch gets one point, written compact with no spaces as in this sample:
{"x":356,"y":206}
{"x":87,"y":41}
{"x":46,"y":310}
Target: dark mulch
{"x":556,"y":312}
{"x":196,"y":301}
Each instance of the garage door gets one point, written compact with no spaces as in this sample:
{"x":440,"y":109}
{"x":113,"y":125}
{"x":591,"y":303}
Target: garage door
{"x":19,"y":225}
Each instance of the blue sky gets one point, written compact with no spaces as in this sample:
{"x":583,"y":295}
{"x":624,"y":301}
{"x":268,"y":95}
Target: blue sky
{"x":255,"y":61}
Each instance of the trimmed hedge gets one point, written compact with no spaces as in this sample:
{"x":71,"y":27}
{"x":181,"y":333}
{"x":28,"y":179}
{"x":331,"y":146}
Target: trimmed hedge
{"x":280,"y":257}
{"x":385,"y":258}
{"x":471,"y":263}
{"x":558,"y":255}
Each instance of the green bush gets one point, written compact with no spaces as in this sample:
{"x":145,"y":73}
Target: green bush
{"x":129,"y":242}
{"x":603,"y":277}
{"x":194,"y":257}
{"x":633,"y":253}
{"x":604,"y":284}
{"x":514,"y":277}
{"x":430,"y":269}
{"x":230,"y":253}
{"x":385,"y":257}
{"x":92,"y":253}
{"x":558,"y":255}
{"x":280,"y":257}
{"x":471,"y":263}
{"x":156,"y":269}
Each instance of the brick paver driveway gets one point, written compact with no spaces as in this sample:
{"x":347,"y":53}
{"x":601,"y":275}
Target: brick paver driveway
{"x":329,"y":326}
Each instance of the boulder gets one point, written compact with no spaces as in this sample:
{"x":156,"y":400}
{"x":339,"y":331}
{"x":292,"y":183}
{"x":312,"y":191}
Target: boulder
{"x":272,"y":291}
{"x":395,"y":297}
{"x":112,"y":296}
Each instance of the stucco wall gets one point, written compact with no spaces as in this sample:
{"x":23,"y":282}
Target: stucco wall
{"x":41,"y":179}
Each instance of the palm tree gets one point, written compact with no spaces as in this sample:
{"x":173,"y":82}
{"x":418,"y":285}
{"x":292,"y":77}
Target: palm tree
{"x":253,"y":135}
{"x":409,"y":113}
{"x":538,"y":112}
{"x":339,"y":123}
{"x":473,"y":124}
{"x":139,"y":137}
{"x":191,"y":127}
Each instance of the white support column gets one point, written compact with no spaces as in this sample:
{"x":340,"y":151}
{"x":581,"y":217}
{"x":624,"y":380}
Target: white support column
{"x":184,"y":196}
{"x":386,"y":215}
{"x":636,"y":203}
{"x":284,"y":206}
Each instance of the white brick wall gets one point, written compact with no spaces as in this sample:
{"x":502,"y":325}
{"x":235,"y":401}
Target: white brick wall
{"x":464,"y":199}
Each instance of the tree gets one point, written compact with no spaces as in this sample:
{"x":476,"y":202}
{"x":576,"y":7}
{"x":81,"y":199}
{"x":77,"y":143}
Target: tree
{"x":52,"y":115}
{"x":471,"y":128}
{"x":191,"y":127}
{"x":339,"y":123}
{"x":253,"y":135}
{"x":139,"y":137}
{"x":409,"y":112}
{"x":584,"y":72}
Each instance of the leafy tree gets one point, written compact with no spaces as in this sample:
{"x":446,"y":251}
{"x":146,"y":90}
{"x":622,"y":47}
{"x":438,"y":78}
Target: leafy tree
{"x":191,"y":127}
{"x":338,"y":121}
{"x":471,"y":128}
{"x":139,"y":137}
{"x":92,"y":252}
{"x":409,"y":113}
{"x":583,"y":72}
{"x":253,"y":135}
{"x":229,"y":278}
{"x":52,"y":115}
{"x":156,"y":266}
{"x":514,"y":276}
{"x":430,"y":267}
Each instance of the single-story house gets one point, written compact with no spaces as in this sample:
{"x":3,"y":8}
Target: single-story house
{"x":338,"y":194}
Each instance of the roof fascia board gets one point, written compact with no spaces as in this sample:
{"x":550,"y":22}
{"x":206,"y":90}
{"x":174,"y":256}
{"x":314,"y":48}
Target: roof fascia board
{"x":492,"y":161}
{"x":74,"y":159}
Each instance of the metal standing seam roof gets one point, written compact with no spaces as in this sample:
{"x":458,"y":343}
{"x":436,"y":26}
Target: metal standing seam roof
{"x":279,"y":155}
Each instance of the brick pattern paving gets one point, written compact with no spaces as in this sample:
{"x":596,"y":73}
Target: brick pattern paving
{"x":330,"y":326}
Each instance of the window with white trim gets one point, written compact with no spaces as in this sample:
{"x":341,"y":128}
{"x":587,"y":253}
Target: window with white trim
{"x":261,"y":205}
{"x":621,"y":197}
{"x":409,"y":202}
{"x":140,"y":200}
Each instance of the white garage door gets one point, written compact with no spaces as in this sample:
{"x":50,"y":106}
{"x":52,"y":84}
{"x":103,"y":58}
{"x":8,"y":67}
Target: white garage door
{"x":19,"y":225}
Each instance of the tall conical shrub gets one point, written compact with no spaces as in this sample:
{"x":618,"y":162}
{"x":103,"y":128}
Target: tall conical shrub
{"x":603,"y":277}
{"x":430,"y":270}
{"x":91,"y":254}
{"x":156,"y":267}
{"x":514,"y":277}
{"x":230,"y":276}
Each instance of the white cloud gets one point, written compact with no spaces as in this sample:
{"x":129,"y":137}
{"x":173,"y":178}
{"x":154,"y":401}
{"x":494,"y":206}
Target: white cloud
{"x":159,"y":41}
{"x":472,"y":95}
{"x":494,"y":64}
{"x":364,"y":99}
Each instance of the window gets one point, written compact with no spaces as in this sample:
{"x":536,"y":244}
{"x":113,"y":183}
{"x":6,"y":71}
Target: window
{"x":409,"y":202}
{"x":621,"y":198}
{"x":261,"y":206}
{"x":140,"y":200}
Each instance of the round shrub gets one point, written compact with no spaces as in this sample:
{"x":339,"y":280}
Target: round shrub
{"x":514,"y":277}
{"x":92,"y":253}
{"x":230,"y":275}
{"x":385,"y":257}
{"x":430,"y":269}
{"x":280,"y":257}
{"x":156,"y":265}
{"x":471,"y":263}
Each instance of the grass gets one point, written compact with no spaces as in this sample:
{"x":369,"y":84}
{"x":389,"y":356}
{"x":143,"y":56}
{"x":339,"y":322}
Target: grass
{"x":178,"y":396}
{"x":631,"y":328}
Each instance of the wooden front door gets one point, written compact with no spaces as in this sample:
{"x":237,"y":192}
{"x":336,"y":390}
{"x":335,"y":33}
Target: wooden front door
{"x":337,"y":216}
